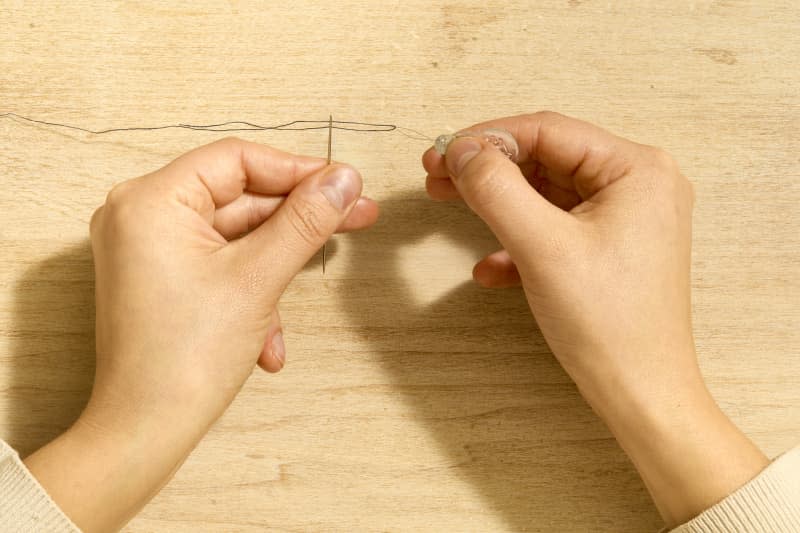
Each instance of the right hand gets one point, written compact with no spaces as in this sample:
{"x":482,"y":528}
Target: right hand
{"x":598,"y":231}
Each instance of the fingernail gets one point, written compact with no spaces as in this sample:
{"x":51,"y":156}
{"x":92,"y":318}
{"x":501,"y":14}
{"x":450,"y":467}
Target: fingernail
{"x":341,"y":186}
{"x":459,"y":153}
{"x":279,"y":348}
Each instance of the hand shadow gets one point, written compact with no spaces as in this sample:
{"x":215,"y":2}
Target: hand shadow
{"x":480,"y":377}
{"x":52,"y":349}
{"x":472,"y":365}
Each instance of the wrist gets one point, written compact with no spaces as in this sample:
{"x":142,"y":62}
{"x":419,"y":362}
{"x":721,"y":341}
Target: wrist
{"x":626,"y":398}
{"x":137,"y":409}
{"x":121,"y":461}
{"x":689,"y":454}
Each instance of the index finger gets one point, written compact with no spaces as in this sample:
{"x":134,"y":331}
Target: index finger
{"x":227,"y":168}
{"x":588,"y":156}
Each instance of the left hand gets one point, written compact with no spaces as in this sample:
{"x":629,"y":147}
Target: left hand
{"x":190,"y":263}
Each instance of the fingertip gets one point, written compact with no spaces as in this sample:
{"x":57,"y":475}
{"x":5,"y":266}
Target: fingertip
{"x":481,"y":275}
{"x":433,"y":163}
{"x":441,"y":189}
{"x":429,"y":157}
{"x":496,"y":271}
{"x":370,"y":207}
{"x":273,"y":355}
{"x":267,"y":363}
{"x":364,"y":214}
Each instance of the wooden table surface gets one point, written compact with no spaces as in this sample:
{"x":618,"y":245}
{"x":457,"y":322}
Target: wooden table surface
{"x":412,"y":399}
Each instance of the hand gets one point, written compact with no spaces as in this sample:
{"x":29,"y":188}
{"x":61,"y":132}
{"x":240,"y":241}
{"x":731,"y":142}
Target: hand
{"x":190,"y":263}
{"x":186,"y":297}
{"x":597,"y":229}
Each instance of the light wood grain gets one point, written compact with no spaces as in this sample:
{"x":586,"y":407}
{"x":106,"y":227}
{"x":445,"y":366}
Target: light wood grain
{"x":412,"y":401}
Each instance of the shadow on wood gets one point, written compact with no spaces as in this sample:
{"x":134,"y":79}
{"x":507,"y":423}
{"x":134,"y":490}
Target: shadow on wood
{"x":52,"y":349}
{"x":479,"y":375}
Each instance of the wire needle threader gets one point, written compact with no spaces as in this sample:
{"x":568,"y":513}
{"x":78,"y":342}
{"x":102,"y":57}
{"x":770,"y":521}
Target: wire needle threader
{"x":330,"y":138}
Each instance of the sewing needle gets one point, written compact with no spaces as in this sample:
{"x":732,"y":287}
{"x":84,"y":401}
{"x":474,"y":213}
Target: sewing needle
{"x":330,"y":138}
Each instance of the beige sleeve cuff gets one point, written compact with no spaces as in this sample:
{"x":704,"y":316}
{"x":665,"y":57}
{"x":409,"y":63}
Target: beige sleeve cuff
{"x":24,"y":504}
{"x":770,"y":502}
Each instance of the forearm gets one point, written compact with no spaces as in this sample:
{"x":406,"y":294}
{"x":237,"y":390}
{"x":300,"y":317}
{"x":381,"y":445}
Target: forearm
{"x":689,"y":454}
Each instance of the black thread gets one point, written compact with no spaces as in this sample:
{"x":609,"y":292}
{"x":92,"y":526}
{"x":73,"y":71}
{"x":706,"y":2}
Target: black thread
{"x":239,"y":125}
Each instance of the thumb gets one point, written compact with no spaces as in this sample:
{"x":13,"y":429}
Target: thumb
{"x":285,"y":242}
{"x":495,"y":189}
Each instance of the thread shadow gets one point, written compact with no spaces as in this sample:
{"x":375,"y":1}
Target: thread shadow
{"x":52,"y":348}
{"x":480,"y":377}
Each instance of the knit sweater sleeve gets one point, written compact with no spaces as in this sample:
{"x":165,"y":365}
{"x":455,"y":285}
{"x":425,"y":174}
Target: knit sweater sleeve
{"x":770,"y":502}
{"x":24,"y":504}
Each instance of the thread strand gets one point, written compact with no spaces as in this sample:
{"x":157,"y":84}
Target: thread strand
{"x":236,"y":125}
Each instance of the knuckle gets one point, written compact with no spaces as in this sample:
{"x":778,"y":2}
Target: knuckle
{"x":547,"y":115}
{"x":228,"y":148}
{"x":665,"y":176}
{"x":662,"y":158}
{"x":307,"y":219}
{"x":118,"y":193}
{"x":120,"y":207}
{"x":94,"y":223}
{"x":95,"y":220}
{"x":231,"y":142}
